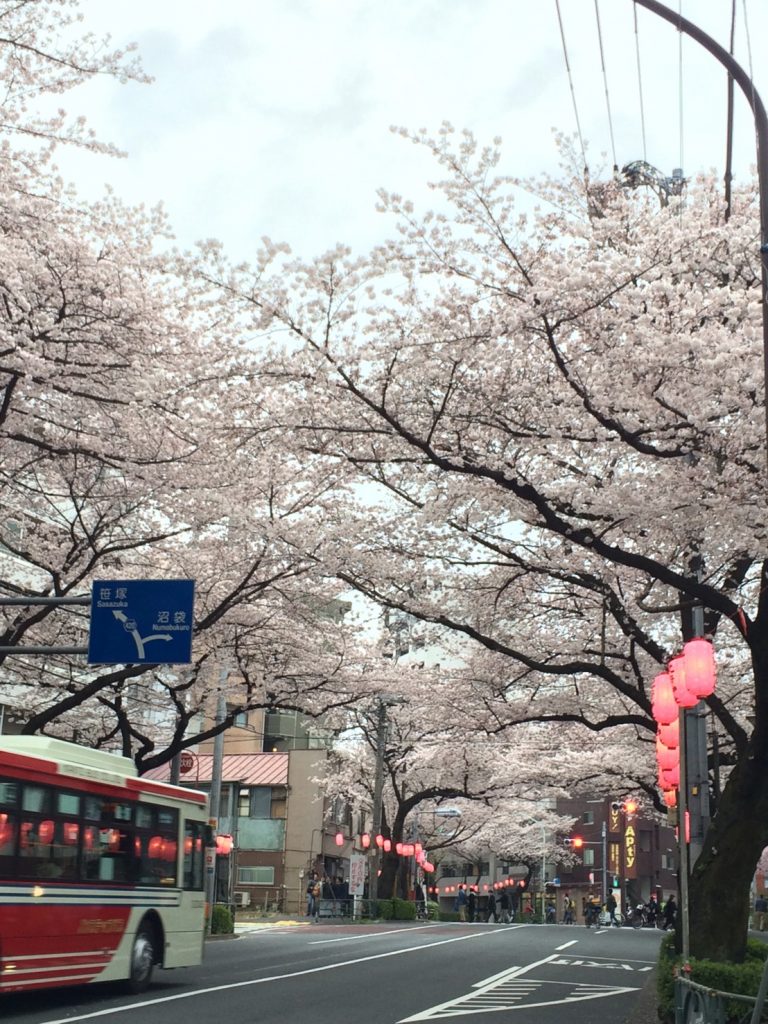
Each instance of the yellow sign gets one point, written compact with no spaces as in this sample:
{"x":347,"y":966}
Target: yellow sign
{"x":630,"y":852}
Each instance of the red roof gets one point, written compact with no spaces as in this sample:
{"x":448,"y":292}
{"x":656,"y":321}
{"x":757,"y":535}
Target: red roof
{"x":248,"y":769}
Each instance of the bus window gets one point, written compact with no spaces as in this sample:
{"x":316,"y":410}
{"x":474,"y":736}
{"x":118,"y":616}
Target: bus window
{"x":158,"y":865}
{"x":36,"y":799}
{"x":68,"y":803}
{"x":194,"y":855}
{"x":7,"y":835}
{"x":9,"y":795}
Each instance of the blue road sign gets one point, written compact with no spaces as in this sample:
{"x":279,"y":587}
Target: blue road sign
{"x":137,"y":622}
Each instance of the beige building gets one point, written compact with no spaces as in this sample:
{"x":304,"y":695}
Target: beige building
{"x":281,"y":827}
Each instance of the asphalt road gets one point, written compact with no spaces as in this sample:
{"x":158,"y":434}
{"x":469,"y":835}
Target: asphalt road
{"x":381,"y":974}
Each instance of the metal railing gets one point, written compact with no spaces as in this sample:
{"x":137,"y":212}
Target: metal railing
{"x":699,"y":1004}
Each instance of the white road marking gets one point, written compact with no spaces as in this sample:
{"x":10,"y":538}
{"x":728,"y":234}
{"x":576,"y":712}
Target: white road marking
{"x":368,"y":935}
{"x":262,"y":981}
{"x":510,"y":991}
{"x":565,"y":945}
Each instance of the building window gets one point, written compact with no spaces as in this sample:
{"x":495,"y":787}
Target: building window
{"x":256,"y":876}
{"x":279,"y":803}
{"x":241,"y":717}
{"x":588,"y":818}
{"x":589,"y":858}
{"x":262,"y":802}
{"x":290,"y":730}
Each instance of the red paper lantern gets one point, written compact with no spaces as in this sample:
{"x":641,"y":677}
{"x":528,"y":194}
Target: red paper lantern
{"x":387,"y":845}
{"x":663,"y":703}
{"x":399,"y":849}
{"x":700,"y":672}
{"x":666,"y":757}
{"x":224,"y":844}
{"x":683,"y":696}
{"x":365,"y":840}
{"x":379,"y":841}
{"x":670,"y":734}
{"x":339,"y":838}
{"x":670,"y":797}
{"x":670,"y":777}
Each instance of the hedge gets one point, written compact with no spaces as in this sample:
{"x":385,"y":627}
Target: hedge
{"x":396,"y":910}
{"x":222,"y":922}
{"x":742,"y":979}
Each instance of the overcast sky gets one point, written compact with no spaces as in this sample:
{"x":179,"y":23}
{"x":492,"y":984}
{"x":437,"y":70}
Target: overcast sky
{"x":272,"y":117}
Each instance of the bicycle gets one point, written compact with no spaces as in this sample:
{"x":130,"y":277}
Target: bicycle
{"x":592,"y":916}
{"x":638,"y":916}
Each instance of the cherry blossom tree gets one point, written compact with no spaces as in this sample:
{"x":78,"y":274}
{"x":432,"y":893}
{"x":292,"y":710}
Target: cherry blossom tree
{"x":131,"y":448}
{"x":550,"y":422}
{"x":434,"y":757}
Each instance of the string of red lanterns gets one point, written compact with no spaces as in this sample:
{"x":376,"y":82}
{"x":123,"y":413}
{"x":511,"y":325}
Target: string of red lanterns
{"x":402,"y":849}
{"x":690,"y":677}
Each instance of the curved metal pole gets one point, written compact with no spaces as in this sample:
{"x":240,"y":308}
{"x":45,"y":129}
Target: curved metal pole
{"x":761,"y":129}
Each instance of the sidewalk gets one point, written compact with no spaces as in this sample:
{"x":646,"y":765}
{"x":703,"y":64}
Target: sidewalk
{"x":645,"y":1010}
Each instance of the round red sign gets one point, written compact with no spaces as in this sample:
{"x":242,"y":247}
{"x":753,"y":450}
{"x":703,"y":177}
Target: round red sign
{"x":186,"y":761}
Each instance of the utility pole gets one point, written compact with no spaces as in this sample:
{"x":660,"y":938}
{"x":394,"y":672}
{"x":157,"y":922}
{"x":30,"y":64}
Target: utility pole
{"x":215,"y":798}
{"x":384,"y":701}
{"x":378,"y":790}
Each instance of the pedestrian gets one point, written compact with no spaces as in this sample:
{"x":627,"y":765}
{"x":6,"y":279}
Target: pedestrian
{"x":460,"y":903}
{"x":490,"y":910}
{"x":514,"y":903}
{"x":610,"y":906}
{"x":568,"y":908}
{"x":670,"y":912}
{"x":504,"y":906}
{"x":761,"y":908}
{"x":592,"y":910}
{"x":653,"y":910}
{"x":472,"y":904}
{"x":310,"y":894}
{"x":317,"y":892}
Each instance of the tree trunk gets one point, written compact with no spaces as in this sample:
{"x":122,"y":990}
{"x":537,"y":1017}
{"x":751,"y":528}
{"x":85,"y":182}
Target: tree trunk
{"x":390,"y":863}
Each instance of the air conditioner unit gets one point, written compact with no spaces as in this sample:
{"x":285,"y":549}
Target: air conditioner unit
{"x":242,"y":898}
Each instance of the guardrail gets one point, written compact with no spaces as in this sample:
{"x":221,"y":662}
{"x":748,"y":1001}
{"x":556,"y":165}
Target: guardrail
{"x":699,"y":1004}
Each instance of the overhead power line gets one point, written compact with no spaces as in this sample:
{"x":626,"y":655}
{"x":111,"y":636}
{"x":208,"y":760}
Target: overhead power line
{"x":570,"y":82}
{"x":605,"y":86}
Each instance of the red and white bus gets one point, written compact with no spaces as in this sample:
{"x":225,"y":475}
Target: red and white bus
{"x":102,"y":873}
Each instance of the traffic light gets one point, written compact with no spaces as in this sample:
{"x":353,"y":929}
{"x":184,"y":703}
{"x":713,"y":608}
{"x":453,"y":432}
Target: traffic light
{"x":629,"y":806}
{"x":576,"y":841}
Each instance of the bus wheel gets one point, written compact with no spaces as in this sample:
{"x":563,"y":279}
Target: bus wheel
{"x":142,"y":958}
